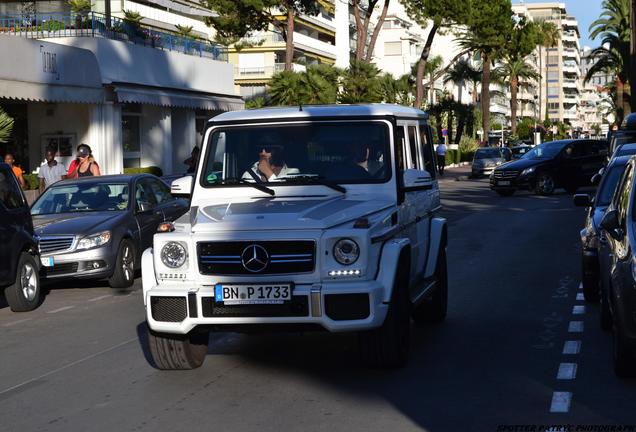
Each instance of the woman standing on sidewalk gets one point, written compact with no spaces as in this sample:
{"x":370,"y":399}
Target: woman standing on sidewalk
{"x":441,"y":158}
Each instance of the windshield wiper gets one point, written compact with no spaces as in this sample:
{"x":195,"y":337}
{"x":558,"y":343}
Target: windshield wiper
{"x":312,"y":179}
{"x":260,"y":187}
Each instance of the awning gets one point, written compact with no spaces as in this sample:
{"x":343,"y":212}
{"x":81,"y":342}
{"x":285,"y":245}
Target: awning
{"x":40,"y":71}
{"x":176,"y":98}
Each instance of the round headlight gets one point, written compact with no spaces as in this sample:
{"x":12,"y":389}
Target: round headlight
{"x":346,"y":251}
{"x":173,"y":255}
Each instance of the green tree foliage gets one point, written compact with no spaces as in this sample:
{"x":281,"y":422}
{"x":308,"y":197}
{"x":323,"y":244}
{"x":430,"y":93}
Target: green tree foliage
{"x":396,"y":91}
{"x":239,"y":18}
{"x":442,"y":14}
{"x":80,"y":6}
{"x":490,"y":26}
{"x":185,"y":31}
{"x":317,"y":85}
{"x":525,"y":128}
{"x":613,"y":56}
{"x":464,"y":72}
{"x":361,"y":83}
{"x":6,"y":126}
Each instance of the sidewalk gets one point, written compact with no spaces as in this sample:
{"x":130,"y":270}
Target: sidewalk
{"x":454,"y":174}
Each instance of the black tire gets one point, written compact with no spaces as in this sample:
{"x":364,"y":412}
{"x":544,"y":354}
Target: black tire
{"x":545,"y":184}
{"x":590,"y":285}
{"x":388,"y":345}
{"x":26,"y":292}
{"x":624,"y":361}
{"x":124,"y":272}
{"x":605,"y":315}
{"x":178,"y":352}
{"x":433,"y":310}
{"x":505,"y":193}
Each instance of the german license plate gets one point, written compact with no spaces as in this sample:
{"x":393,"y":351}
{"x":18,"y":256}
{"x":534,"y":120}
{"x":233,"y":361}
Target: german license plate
{"x":47,"y":261}
{"x":503,"y":183}
{"x":232,"y":294}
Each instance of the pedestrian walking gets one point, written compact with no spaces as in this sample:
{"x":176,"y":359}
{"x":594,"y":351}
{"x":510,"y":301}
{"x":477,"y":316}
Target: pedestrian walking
{"x":10,"y":160}
{"x":84,"y":165}
{"x":51,"y":172}
{"x":441,"y":158}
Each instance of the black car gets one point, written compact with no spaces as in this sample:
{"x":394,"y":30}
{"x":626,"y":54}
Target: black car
{"x":19,"y":272}
{"x":618,"y":272}
{"x":590,"y":234}
{"x":98,"y":227}
{"x":519,"y":151}
{"x":625,"y":135}
{"x":568,"y":164}
{"x":627,"y":149}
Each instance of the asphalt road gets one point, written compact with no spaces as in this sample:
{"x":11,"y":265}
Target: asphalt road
{"x":79,"y":362}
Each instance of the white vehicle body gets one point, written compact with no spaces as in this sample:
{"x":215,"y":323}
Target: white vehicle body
{"x":394,"y":223}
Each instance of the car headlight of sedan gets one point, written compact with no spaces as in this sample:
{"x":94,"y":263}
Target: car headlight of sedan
{"x":346,"y":251}
{"x":528,"y":171}
{"x":93,"y":241}
{"x":173,"y":255}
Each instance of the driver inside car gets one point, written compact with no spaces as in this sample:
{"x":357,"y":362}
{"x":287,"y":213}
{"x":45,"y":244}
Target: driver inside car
{"x":270,"y":166}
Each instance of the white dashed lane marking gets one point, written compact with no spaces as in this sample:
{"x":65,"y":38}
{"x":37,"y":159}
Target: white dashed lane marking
{"x":99,"y":298}
{"x":575,"y":327}
{"x":572,"y":347}
{"x":580,"y":297}
{"x":560,"y":402}
{"x":60,"y":309}
{"x":567,"y":371}
{"x":578,"y":310}
{"x":16,"y":322}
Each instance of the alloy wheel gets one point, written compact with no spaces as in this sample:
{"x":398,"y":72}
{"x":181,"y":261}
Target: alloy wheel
{"x":29,"y":282}
{"x":127,"y":263}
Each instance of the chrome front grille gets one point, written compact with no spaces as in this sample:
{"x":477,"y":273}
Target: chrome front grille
{"x":276,"y":257}
{"x":505,"y":174}
{"x":55,"y":244}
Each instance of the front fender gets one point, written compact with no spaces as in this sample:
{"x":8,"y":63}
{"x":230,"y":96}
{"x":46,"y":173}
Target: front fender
{"x":389,"y":263}
{"x":438,"y":240}
{"x":148,"y":278}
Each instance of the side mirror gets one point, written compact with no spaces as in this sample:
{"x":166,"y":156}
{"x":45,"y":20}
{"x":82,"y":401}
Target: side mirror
{"x":596,"y":179}
{"x":582,"y":200}
{"x":182,"y":187}
{"x":611,"y":224}
{"x":416,"y":180}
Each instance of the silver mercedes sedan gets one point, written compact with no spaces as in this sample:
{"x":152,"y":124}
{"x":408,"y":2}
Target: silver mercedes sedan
{"x":98,"y":227}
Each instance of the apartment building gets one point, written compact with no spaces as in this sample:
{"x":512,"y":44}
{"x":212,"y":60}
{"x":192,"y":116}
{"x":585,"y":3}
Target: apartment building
{"x":139,"y":96}
{"x":560,"y":86}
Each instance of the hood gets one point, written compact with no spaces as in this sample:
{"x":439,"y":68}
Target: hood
{"x":521,"y":164}
{"x":286,"y":213}
{"x":76,"y":224}
{"x":489,"y":161}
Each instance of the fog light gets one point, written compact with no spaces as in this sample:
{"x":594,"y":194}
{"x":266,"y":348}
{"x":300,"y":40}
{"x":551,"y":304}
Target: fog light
{"x":336,"y":273}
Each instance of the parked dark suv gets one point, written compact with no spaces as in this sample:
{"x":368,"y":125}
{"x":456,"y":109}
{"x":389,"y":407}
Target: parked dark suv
{"x":19,"y":272}
{"x":617,"y":274}
{"x":625,"y":135}
{"x":568,"y":164}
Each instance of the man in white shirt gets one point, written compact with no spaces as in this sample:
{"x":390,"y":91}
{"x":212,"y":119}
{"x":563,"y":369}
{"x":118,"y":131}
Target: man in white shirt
{"x":271,"y":165}
{"x":51,"y":172}
{"x":441,"y":158}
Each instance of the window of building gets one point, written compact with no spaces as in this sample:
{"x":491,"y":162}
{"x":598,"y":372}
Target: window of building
{"x":553,"y":76}
{"x":554,"y":91}
{"x":553,"y":59}
{"x":131,"y":134}
{"x":386,"y":25}
{"x":392,"y":48}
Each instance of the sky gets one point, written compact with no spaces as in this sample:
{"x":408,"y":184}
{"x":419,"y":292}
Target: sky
{"x":586,"y":11}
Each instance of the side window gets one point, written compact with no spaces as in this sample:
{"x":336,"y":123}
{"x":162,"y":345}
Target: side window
{"x":400,"y":155}
{"x":413,"y":159}
{"x":623,"y":196}
{"x":598,"y":148}
{"x":160,"y":190}
{"x":426,"y":150}
{"x":144,"y":195}
{"x":10,"y":195}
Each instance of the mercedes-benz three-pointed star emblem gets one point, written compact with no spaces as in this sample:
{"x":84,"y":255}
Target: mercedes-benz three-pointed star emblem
{"x":254,"y":258}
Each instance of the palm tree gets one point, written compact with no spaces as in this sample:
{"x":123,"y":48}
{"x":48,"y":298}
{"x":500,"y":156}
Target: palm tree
{"x":6,"y":126}
{"x":512,"y":69}
{"x":613,"y":56}
{"x":317,"y":85}
{"x":185,"y":31}
{"x":433,"y":66}
{"x":361,"y":83}
{"x":463,"y":72}
{"x":550,"y":37}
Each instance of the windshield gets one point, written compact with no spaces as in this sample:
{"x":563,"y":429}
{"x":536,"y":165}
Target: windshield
{"x":622,"y":137}
{"x":488,"y":154}
{"x":544,"y":151}
{"x":626,"y":150}
{"x":606,"y":189}
{"x":343,"y":152}
{"x":89,"y":197}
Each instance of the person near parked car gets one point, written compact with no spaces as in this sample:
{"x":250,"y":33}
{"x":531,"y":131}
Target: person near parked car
{"x":441,"y":158}
{"x":84,"y":165}
{"x":191,"y":162}
{"x":51,"y":172}
{"x":10,"y":160}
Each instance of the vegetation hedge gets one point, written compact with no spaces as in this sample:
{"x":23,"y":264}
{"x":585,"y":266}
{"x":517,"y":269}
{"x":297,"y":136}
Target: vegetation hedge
{"x":144,"y":170}
{"x":32,"y":181}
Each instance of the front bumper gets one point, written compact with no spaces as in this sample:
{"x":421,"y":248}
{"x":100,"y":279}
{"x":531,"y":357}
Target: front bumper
{"x":86,"y":264}
{"x":482,"y":171}
{"x":518,"y":183}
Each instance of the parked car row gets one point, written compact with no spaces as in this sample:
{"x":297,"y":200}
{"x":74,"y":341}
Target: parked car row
{"x":87,"y":228}
{"x":608,"y":260}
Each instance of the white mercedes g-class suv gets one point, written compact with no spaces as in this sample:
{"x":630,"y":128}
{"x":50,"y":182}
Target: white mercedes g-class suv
{"x":317,"y":216}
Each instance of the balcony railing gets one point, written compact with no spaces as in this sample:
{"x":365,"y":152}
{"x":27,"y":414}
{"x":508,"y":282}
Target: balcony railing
{"x":93,"y":24}
{"x":258,"y":72}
